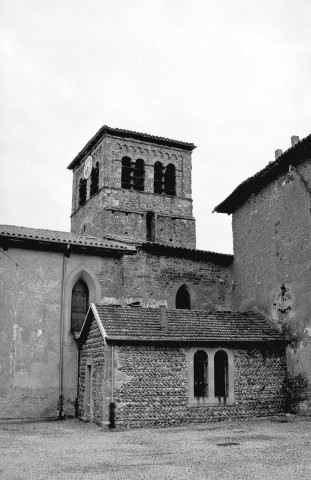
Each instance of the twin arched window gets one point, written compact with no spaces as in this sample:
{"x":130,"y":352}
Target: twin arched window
{"x":93,"y":187}
{"x":133,"y":174}
{"x":201,"y":372}
{"x":164,"y":179}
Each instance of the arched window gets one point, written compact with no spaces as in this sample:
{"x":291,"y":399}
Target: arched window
{"x":126,"y":179}
{"x":221,"y":374}
{"x":158,"y":178}
{"x":150,"y":227}
{"x":82,"y":192}
{"x":94,"y":180}
{"x":79,"y":305}
{"x":170,"y":180}
{"x":183,"y":300}
{"x":200,"y":374}
{"x":139,"y":175}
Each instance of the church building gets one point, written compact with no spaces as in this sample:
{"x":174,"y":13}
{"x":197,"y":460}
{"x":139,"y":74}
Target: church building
{"x":122,"y":321}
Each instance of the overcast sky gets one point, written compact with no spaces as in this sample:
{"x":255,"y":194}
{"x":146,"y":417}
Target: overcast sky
{"x":231,"y":76}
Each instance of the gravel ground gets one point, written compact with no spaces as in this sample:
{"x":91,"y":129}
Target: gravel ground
{"x":278,"y":448}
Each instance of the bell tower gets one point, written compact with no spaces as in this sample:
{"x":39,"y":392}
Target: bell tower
{"x":133,"y":187}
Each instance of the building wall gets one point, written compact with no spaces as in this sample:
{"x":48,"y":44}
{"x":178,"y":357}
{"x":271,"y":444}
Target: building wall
{"x":94,"y":354}
{"x":272,"y":267}
{"x":30,"y":305}
{"x":151,"y":384}
{"x":158,"y":277}
{"x":121,"y":213}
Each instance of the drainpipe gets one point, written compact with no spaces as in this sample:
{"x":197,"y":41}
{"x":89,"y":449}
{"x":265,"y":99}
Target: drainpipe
{"x":112,"y":406}
{"x":61,"y":336}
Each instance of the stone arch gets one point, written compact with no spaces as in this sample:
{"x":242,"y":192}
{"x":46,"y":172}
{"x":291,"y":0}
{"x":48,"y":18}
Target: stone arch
{"x":192,"y":293}
{"x":183,"y":298}
{"x":89,"y":278}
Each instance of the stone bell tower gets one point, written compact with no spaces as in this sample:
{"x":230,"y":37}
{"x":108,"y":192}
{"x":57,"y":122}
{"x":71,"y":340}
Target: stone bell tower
{"x":133,"y":187}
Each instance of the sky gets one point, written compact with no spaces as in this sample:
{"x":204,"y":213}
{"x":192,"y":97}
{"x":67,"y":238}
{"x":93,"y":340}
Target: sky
{"x":231,"y":76}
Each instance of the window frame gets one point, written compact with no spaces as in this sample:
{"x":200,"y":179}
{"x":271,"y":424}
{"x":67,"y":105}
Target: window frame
{"x":210,"y":399}
{"x":73,"y":304}
{"x":183,"y":288}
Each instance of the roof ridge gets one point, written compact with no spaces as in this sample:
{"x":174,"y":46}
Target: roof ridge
{"x":242,"y":192}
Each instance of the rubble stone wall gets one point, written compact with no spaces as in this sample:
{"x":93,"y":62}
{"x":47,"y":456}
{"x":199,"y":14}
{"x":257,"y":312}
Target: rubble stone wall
{"x":151,"y":384}
{"x":158,"y":277}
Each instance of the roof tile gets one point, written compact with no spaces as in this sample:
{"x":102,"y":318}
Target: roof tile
{"x":11,"y":231}
{"x":293,"y":156}
{"x":139,"y":324}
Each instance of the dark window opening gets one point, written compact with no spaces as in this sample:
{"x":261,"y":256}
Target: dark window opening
{"x":150,"y":227}
{"x":170,"y":180}
{"x":221,"y":374}
{"x":183,"y":300}
{"x":126,"y":177}
{"x":158,"y":185}
{"x":82,"y":192}
{"x":94,"y":180}
{"x":79,"y":305}
{"x":200,"y":363}
{"x":139,"y":175}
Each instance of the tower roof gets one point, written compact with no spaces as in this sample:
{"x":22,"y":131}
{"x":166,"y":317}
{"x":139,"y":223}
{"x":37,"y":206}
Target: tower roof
{"x":118,"y":132}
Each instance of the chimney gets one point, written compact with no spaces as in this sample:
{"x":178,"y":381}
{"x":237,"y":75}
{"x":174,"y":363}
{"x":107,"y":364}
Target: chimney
{"x":278,"y":153}
{"x":163,"y":318}
{"x":294,"y":140}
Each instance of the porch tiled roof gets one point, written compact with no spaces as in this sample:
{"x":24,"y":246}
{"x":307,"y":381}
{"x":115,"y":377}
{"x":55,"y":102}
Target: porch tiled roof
{"x":143,"y":324}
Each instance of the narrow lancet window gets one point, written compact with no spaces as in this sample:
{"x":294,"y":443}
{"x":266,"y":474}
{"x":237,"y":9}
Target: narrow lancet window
{"x":221,"y":375}
{"x":139,"y":175}
{"x":170,"y":180}
{"x":200,"y":384}
{"x":79,"y":305}
{"x":158,"y":177}
{"x":150,"y":227}
{"x":94,"y":180}
{"x":126,"y":175}
{"x":183,"y":300}
{"x":82,"y":192}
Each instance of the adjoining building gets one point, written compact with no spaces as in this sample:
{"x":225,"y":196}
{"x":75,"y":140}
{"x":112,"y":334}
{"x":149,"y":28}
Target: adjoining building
{"x":152,"y":366}
{"x":271,"y":223}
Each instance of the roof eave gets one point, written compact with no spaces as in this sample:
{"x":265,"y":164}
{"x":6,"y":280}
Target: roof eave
{"x":198,"y":341}
{"x":116,"y":132}
{"x":169,"y":250}
{"x":293,"y":156}
{"x":11,"y":241}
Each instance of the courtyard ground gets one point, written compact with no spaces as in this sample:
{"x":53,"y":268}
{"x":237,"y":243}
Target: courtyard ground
{"x":277,"y":448}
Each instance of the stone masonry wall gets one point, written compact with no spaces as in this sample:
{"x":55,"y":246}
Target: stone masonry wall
{"x":153,"y":277}
{"x":151,"y":386}
{"x":272,"y":267}
{"x":121,"y":213}
{"x":93,"y":353}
